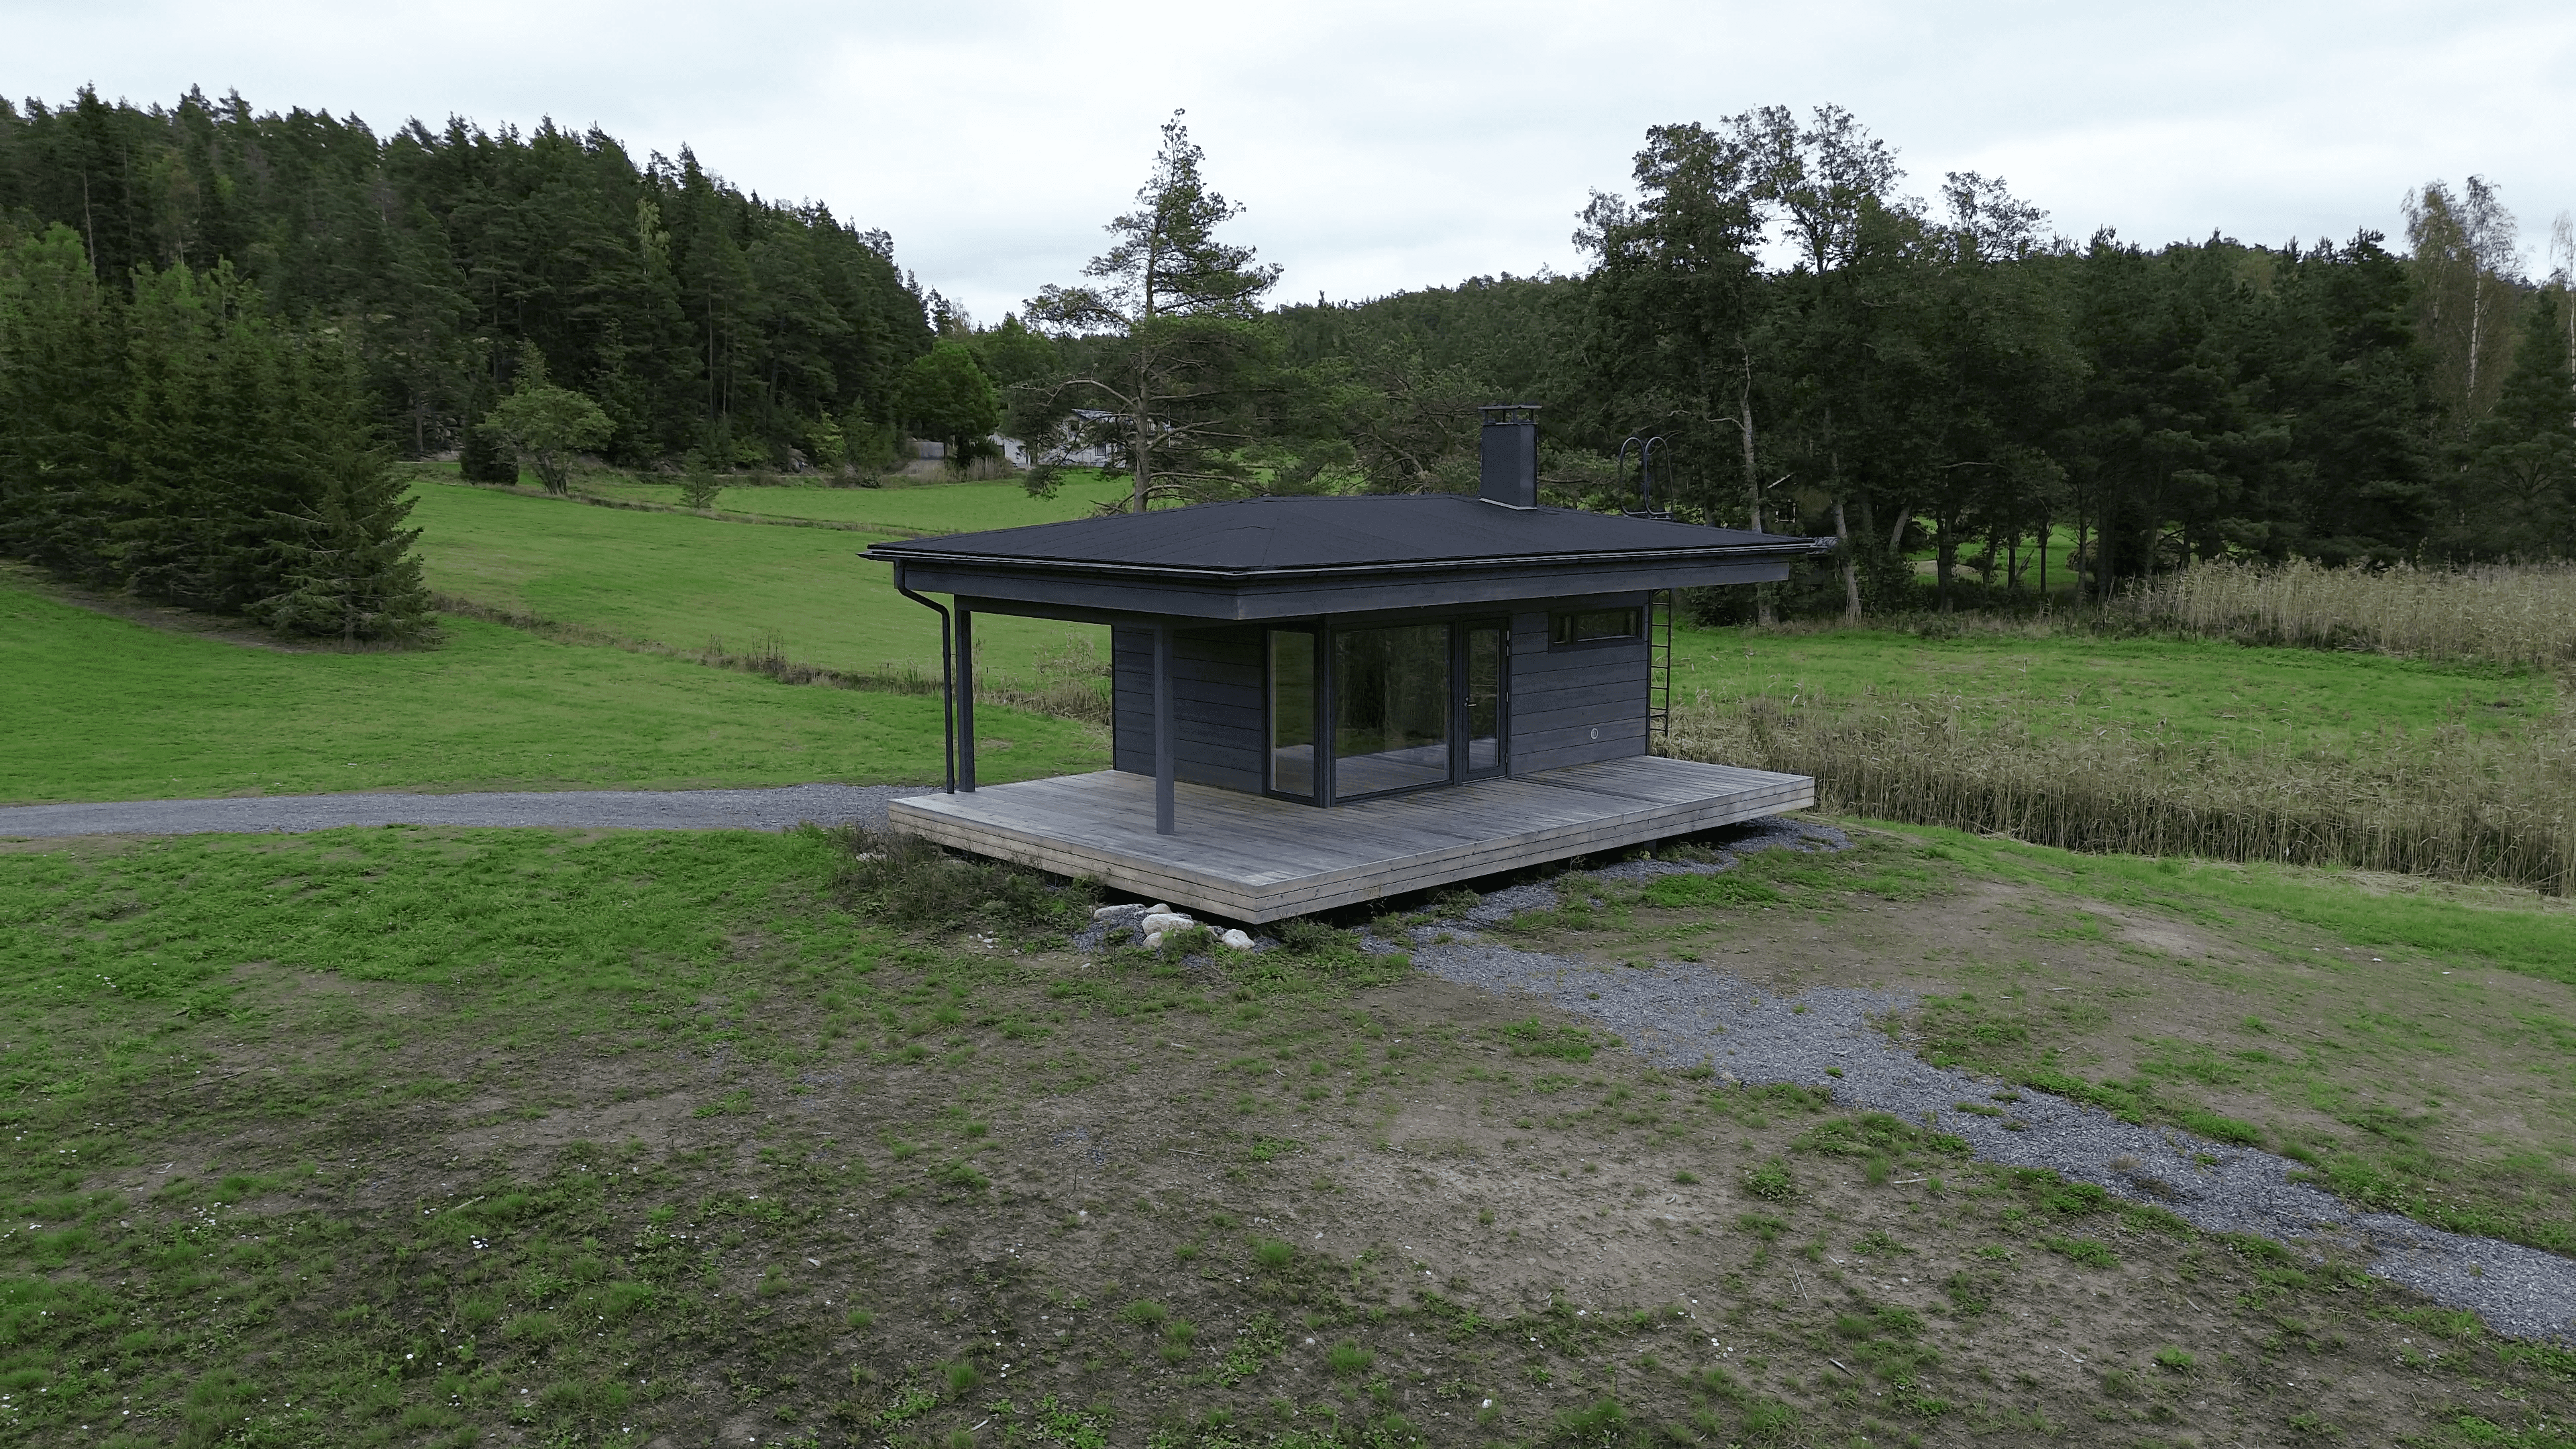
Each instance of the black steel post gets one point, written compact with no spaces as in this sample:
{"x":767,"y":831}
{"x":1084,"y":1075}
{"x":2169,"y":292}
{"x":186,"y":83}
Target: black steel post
{"x":1162,"y":729}
{"x":965,"y":699}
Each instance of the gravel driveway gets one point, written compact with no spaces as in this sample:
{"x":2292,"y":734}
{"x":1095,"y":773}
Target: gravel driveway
{"x":779,"y":809}
{"x":1682,"y":1014}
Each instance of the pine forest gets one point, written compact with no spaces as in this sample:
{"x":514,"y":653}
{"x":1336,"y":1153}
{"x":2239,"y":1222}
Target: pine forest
{"x":220,"y":327}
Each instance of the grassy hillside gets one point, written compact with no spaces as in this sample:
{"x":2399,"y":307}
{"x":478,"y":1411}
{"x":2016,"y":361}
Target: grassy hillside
{"x":682,"y":581}
{"x":99,"y":708}
{"x":917,"y":506}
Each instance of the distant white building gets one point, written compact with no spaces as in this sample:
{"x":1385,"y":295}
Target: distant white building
{"x":1066,"y":452}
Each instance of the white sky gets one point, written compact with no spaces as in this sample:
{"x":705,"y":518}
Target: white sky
{"x":1386,"y":146}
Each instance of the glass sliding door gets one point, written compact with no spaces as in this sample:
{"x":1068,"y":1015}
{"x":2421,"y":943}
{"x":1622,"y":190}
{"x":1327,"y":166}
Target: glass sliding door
{"x":1391,"y":709}
{"x":1292,"y":713}
{"x":1480,"y":697}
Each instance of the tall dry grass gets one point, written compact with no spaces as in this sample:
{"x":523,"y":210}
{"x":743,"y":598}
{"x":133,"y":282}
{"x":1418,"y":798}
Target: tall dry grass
{"x":2448,"y":802}
{"x":2508,"y":613}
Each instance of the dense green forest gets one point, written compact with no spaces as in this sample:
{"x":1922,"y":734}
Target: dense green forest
{"x":1824,"y":354}
{"x":1819,"y":350}
{"x":695,"y":316}
{"x":216,"y":326}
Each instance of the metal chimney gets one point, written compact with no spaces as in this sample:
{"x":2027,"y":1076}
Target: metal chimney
{"x":1510,"y":473}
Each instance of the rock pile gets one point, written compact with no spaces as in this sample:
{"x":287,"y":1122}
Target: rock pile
{"x":1153,"y":923}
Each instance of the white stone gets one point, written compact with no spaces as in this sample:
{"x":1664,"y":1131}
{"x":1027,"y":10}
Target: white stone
{"x":1105,"y":912}
{"x":1154,"y":940}
{"x":1166,"y":921}
{"x":1158,"y":909}
{"x":1237,"y":940}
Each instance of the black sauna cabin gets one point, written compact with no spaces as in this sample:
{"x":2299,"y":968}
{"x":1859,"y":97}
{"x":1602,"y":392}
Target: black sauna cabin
{"x":1320,"y":700}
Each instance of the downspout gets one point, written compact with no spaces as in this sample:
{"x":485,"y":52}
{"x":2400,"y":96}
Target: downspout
{"x":947,"y":685}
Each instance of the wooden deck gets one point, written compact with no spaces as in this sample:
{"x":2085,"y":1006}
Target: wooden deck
{"x":1253,"y":859}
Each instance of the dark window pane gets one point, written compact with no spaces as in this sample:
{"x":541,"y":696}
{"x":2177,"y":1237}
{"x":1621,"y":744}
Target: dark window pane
{"x":1390,"y":709}
{"x":1587,"y":625}
{"x":1292,"y":712}
{"x":1485,"y":698}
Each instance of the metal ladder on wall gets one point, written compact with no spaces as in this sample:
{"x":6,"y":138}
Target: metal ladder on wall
{"x":1660,"y":607}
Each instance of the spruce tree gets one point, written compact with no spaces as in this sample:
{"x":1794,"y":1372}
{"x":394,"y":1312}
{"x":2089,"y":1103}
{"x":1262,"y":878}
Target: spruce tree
{"x":61,"y":377}
{"x":346,"y":562}
{"x":341,"y":561}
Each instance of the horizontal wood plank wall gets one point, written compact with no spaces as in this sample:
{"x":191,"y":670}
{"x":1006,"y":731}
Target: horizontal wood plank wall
{"x":1217,"y":709}
{"x":1579,"y":705}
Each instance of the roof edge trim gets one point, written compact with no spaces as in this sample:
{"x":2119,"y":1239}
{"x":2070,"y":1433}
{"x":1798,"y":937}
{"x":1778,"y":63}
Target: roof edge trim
{"x":1802,"y":546}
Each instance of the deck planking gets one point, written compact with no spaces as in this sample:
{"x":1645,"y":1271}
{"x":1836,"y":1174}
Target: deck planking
{"x":1254,"y":859}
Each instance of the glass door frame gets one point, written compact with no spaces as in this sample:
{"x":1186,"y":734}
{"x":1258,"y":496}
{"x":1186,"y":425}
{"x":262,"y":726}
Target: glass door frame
{"x":1460,"y":738}
{"x":1327,"y":688}
{"x":1318,"y":728}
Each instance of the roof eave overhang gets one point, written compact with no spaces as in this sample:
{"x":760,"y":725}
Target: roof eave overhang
{"x":1251,"y":594}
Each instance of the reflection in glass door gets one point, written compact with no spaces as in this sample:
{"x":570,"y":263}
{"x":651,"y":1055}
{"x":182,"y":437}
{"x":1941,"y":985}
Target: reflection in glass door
{"x":1292,"y":713}
{"x":1481,"y":698}
{"x":1391,"y":709}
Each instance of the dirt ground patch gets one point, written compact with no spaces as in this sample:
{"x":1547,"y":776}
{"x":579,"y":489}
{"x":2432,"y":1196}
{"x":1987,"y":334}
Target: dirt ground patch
{"x":865,"y":1188}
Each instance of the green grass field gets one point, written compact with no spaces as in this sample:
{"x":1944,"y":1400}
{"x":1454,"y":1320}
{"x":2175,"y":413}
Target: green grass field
{"x":98,"y":708}
{"x":904,"y":504}
{"x":681,"y":580}
{"x":2305,"y":700}
{"x":444,"y":1137}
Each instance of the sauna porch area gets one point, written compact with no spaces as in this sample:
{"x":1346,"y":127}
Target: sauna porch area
{"x":1254,"y":859}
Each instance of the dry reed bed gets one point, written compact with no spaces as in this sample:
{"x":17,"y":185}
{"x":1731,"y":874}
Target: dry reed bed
{"x":2507,"y":613}
{"x":2449,"y":802}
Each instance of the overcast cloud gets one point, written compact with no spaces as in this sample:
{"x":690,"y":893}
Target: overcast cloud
{"x":1386,"y":146}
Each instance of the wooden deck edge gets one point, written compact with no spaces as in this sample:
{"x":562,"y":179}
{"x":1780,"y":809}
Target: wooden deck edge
{"x":1455,"y":862}
{"x":1352,"y":885}
{"x":1784,"y":792}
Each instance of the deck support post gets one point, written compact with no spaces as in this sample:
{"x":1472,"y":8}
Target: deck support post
{"x":965,"y":698}
{"x":1162,"y":729}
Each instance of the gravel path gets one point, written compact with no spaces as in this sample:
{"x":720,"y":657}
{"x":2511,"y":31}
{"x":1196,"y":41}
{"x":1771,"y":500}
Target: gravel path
{"x":1682,"y":1014}
{"x":779,"y":809}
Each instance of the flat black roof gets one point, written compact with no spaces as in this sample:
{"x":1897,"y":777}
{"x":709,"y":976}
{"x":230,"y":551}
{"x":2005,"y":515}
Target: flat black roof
{"x":1283,"y":558}
{"x":1429,"y":532}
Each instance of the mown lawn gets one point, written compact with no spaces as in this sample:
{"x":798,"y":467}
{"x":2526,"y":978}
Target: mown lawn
{"x":98,"y":708}
{"x":686,"y":581}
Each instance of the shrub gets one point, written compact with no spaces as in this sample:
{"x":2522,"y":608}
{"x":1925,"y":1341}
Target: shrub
{"x":906,"y":880}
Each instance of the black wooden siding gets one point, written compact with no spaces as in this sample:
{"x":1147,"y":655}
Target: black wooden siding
{"x":1575,"y":706}
{"x":1568,"y":706}
{"x":1218,"y":717}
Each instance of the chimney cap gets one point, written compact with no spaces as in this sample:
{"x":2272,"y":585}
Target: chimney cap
{"x":1510,"y":413}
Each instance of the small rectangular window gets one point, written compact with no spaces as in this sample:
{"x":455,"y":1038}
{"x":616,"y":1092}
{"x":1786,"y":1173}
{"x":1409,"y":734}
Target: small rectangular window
{"x":1590,"y":626}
